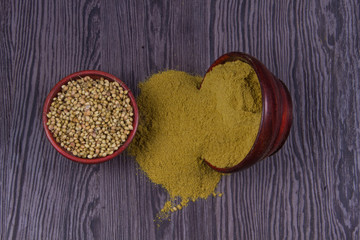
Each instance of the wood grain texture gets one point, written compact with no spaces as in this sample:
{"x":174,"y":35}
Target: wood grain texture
{"x":309,"y":190}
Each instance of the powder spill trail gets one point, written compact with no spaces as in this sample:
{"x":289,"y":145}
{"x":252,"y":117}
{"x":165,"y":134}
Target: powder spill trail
{"x":180,"y":124}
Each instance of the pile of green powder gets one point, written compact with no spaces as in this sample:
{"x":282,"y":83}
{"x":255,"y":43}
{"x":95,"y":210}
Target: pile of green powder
{"x":180,"y":126}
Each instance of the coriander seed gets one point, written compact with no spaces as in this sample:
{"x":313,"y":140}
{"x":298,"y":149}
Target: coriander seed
{"x":91,"y":117}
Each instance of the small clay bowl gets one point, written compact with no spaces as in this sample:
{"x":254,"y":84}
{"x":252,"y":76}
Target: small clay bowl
{"x":276,"y":118}
{"x":95,"y":75}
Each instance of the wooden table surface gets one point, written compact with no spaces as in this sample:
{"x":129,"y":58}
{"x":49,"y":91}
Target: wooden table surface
{"x":309,"y":190}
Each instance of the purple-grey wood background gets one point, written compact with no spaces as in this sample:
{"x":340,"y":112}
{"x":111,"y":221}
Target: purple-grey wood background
{"x":309,"y":190}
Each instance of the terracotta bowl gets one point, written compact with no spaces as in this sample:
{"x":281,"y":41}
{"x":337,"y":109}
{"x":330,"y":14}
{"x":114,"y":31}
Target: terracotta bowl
{"x":276,"y":119}
{"x":53,"y":93}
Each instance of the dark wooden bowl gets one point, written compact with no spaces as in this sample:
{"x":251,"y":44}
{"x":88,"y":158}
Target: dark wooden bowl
{"x":276,"y":118}
{"x":93,"y":74}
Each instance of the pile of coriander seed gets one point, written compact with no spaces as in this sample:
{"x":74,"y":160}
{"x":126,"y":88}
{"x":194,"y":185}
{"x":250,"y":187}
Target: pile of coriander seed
{"x":91,"y":117}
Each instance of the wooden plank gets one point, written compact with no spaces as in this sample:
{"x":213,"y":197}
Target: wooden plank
{"x":47,"y":196}
{"x":6,"y":108}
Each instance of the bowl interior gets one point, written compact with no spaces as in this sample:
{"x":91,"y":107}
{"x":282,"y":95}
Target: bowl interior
{"x":249,"y":158}
{"x":276,"y":116}
{"x":53,"y":93}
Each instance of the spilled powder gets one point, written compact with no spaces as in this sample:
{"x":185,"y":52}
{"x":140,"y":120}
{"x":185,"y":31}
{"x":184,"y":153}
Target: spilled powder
{"x":181,"y":125}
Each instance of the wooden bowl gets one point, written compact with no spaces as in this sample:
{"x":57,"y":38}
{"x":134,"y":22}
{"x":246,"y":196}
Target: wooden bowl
{"x":276,"y":118}
{"x":53,"y":93}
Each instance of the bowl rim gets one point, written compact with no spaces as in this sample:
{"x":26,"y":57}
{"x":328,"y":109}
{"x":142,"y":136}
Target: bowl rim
{"x":57,"y":88}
